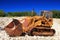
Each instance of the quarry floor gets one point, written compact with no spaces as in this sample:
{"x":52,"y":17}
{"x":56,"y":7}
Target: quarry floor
{"x":6,"y":20}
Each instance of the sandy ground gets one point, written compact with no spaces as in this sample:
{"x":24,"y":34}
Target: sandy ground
{"x":5,"y":20}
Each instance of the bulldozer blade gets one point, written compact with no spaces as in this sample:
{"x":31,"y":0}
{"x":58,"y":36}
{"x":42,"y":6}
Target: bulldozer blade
{"x":15,"y":29}
{"x":42,"y":32}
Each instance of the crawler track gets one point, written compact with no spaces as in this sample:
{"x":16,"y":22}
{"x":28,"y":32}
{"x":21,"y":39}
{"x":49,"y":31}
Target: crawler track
{"x":42,"y":32}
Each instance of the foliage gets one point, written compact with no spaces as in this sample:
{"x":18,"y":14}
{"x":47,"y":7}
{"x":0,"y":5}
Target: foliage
{"x":20,"y":14}
{"x":56,"y":13}
{"x":13,"y":14}
{"x":2,"y":13}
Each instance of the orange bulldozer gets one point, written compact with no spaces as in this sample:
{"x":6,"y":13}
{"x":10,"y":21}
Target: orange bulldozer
{"x":36,"y":25}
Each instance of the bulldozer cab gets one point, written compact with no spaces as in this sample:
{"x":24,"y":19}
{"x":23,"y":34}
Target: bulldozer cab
{"x":46,"y":14}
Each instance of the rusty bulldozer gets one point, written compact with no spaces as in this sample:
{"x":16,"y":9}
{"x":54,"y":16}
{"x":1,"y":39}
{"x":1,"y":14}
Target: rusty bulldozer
{"x":36,"y":25}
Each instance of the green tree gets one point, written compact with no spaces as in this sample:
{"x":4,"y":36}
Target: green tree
{"x":56,"y":13}
{"x":2,"y":13}
{"x":26,"y":13}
